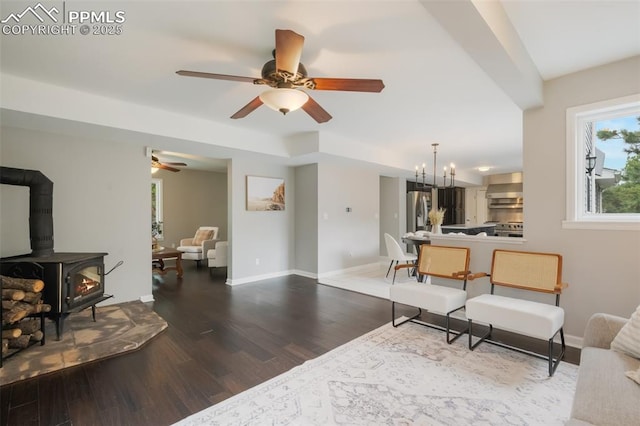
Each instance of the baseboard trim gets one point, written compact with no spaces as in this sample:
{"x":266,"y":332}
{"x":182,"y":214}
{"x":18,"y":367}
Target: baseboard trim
{"x":147,"y":298}
{"x":254,"y":278}
{"x":305,"y":274}
{"x":573,"y":341}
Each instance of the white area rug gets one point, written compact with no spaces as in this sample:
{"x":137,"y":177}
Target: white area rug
{"x":405,"y":376}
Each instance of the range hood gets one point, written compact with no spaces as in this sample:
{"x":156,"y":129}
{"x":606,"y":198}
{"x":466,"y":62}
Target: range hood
{"x":505,"y":190}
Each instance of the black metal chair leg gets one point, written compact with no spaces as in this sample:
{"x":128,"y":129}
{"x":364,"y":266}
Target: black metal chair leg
{"x":554,"y":365}
{"x":393,"y":316}
{"x":390,"y":265}
{"x":457,"y":334}
{"x":472,"y":345}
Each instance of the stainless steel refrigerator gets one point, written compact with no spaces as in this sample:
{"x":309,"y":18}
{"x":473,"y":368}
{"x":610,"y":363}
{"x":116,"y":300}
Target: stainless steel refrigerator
{"x":418,"y":206}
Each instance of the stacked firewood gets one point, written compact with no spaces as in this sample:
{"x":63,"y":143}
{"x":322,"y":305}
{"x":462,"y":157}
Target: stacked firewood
{"x":21,"y":297}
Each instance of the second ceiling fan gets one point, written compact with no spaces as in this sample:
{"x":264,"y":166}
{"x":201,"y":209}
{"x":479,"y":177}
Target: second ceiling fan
{"x":157,"y":164}
{"x":286,"y":75}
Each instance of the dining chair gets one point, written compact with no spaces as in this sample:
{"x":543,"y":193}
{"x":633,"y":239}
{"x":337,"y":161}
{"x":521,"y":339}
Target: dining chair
{"x":397,"y":255}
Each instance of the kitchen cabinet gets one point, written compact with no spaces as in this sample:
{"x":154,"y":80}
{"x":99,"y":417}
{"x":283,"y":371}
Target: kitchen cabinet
{"x":452,"y":200}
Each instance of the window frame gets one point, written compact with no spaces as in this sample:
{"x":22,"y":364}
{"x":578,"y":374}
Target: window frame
{"x":158,"y":202}
{"x":575,"y":216}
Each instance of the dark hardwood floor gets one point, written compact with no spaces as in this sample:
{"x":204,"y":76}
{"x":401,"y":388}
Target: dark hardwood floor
{"x":220,"y":341}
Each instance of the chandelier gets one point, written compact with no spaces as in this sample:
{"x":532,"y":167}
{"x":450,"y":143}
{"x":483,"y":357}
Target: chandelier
{"x":452,"y":172}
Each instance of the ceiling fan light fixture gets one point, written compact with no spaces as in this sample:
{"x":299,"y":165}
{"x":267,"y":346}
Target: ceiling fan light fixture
{"x":284,"y":100}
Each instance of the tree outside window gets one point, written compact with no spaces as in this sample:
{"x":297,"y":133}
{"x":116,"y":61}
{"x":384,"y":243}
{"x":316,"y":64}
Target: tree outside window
{"x":620,"y":138}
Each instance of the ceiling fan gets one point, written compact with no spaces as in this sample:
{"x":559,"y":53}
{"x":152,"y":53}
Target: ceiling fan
{"x":286,"y":75}
{"x":156,"y":164}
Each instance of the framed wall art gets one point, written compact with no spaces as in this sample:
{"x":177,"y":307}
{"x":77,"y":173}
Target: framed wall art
{"x":265,"y":193}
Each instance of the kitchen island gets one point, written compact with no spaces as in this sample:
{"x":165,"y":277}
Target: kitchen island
{"x":414,"y":241}
{"x":470,"y":229}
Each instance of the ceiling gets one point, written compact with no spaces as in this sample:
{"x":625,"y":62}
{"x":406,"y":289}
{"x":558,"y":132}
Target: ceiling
{"x":456,"y":73}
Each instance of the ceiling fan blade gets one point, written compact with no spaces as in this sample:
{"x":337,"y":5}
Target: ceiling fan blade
{"x":316,"y":112}
{"x":215,"y":76}
{"x":288,"y":50}
{"x":158,"y":165}
{"x":248,"y":108}
{"x":165,"y":167}
{"x":349,"y":84}
{"x":175,"y":164}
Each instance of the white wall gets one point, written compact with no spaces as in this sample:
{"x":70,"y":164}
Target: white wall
{"x":192,"y":198}
{"x":393,"y":209}
{"x":347,"y":239}
{"x":601,"y":267}
{"x":261,"y":243}
{"x":101,"y":202}
{"x":306,"y":218}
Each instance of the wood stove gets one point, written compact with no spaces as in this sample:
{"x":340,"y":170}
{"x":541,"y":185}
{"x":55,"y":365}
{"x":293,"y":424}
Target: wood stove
{"x":73,"y":281}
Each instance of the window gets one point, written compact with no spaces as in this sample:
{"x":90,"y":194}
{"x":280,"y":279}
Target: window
{"x":156,"y":209}
{"x":603,"y":165}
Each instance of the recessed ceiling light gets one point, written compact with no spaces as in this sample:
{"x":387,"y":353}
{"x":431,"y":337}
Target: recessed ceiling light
{"x":484,"y":168}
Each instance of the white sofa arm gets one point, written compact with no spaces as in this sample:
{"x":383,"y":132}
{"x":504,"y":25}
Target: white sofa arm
{"x":222,"y":249}
{"x":218,"y":257}
{"x":208,"y":245}
{"x":602,"y":329}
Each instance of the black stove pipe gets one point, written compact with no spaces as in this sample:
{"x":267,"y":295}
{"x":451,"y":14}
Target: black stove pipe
{"x":40,"y":206}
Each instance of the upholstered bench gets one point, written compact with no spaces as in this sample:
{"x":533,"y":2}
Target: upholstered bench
{"x":434,"y":261}
{"x":539,"y":272}
{"x":534,"y":319}
{"x":434,"y":298}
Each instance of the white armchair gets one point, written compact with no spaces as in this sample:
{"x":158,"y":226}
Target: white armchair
{"x":217,"y":256}
{"x":196,"y":248}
